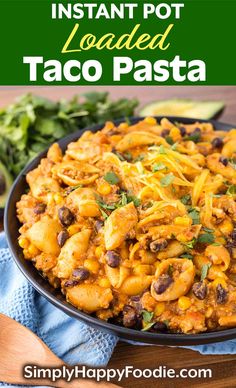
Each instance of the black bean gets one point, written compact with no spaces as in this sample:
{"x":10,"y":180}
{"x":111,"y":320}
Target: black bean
{"x":224,"y":161}
{"x":158,"y":245}
{"x":159,"y":326}
{"x":66,"y":217}
{"x":113,"y":259}
{"x":233,"y":235}
{"x":40,"y":208}
{"x":182,"y":131}
{"x":200,"y":290}
{"x":81,"y":273}
{"x":71,"y":283}
{"x":98,"y":225}
{"x":162,"y":283}
{"x":217,"y":142}
{"x":130,"y":317}
{"x":221,"y":294}
{"x":62,"y":237}
{"x":3,"y":184}
{"x":165,"y":132}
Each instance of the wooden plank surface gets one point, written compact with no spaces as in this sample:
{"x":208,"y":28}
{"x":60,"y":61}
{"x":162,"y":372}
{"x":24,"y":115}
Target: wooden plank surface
{"x":223,"y":366}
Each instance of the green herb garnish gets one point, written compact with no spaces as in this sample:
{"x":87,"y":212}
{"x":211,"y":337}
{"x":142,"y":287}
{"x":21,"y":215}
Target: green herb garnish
{"x":195,"y":137}
{"x":231,"y":190}
{"x":206,"y":238}
{"x":208,"y":230}
{"x":187,"y":256}
{"x":190,"y":244}
{"x":111,"y":178}
{"x":167,"y":180}
{"x":158,"y":167}
{"x":147,"y":319}
{"x":32,"y":123}
{"x":186,"y":199}
{"x":169,"y":140}
{"x":204,"y":270}
{"x":139,"y":158}
{"x":162,"y":150}
{"x":195,"y":215}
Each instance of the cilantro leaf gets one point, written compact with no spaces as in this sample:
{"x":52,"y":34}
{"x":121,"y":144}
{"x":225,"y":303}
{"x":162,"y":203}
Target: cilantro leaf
{"x":147,"y":316}
{"x":159,"y":167}
{"x":186,"y":199}
{"x":187,"y":256}
{"x":167,"y":180}
{"x":206,"y":238}
{"x":204,"y":270}
{"x":148,"y":326}
{"x":111,"y":178}
{"x":195,"y":215}
{"x":169,"y":140}
{"x":190,"y":244}
{"x":231,"y":190}
{"x":162,"y":150}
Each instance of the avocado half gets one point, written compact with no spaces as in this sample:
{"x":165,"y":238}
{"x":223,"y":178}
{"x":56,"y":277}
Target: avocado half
{"x":5,"y":185}
{"x":186,"y":108}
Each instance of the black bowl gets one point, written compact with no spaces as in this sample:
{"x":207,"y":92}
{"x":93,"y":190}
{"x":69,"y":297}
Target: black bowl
{"x":11,"y":226}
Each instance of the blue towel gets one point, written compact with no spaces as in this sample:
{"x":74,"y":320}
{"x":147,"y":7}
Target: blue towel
{"x":70,"y":339}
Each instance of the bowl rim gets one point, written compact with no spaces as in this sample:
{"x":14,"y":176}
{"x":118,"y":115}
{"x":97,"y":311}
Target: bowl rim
{"x":122,"y":332}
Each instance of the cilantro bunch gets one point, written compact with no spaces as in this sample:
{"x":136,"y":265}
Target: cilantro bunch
{"x":29,"y":125}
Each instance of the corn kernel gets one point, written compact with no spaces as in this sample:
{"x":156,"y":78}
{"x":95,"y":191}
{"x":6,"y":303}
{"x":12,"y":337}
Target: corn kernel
{"x":104,"y":188}
{"x":73,"y":229}
{"x":23,"y":242}
{"x":123,"y":125}
{"x":99,"y":251}
{"x":104,"y":282}
{"x":58,"y":198}
{"x":184,"y":302}
{"x":33,"y":250}
{"x":150,"y":120}
{"x":159,"y":309}
{"x":183,"y":221}
{"x":175,"y":134}
{"x":218,"y":281}
{"x":92,"y":265}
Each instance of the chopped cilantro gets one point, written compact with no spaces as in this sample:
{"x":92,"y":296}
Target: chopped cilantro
{"x":147,"y":316}
{"x":195,"y":215}
{"x":204,"y":271}
{"x":148,"y":326}
{"x":231,"y":190}
{"x":104,"y":214}
{"x":186,"y":199}
{"x":170,"y":270}
{"x":158,"y":167}
{"x":139,"y":158}
{"x":167,"y":180}
{"x":190,"y":244}
{"x":127,"y":156}
{"x":187,"y":256}
{"x":232,"y":161}
{"x":174,"y":146}
{"x":162,"y":150}
{"x":195,"y":137}
{"x":208,"y":230}
{"x":112,"y":178}
{"x":169,"y":140}
{"x":206,"y":238}
{"x":134,"y":199}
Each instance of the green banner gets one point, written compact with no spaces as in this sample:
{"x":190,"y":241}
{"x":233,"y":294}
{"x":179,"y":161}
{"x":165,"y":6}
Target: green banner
{"x":60,"y":42}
